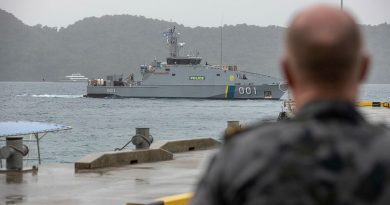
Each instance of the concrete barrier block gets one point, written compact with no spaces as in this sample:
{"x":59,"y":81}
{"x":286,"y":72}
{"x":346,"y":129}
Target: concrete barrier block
{"x":185,"y":145}
{"x":114,"y":159}
{"x":160,"y":151}
{"x":85,"y":162}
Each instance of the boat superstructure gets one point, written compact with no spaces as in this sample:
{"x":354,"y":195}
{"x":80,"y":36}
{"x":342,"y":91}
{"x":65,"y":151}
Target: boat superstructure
{"x":186,"y":77}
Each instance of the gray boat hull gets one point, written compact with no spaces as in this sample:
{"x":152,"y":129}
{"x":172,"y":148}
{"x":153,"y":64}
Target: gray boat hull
{"x":189,"y":91}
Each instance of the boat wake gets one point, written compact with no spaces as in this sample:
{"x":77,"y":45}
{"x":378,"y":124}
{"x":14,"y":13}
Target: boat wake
{"x":22,"y":95}
{"x":56,"y":96}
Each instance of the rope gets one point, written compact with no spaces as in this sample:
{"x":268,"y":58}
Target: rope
{"x":120,"y":149}
{"x":131,"y":140}
{"x":20,"y":151}
{"x":28,"y":154}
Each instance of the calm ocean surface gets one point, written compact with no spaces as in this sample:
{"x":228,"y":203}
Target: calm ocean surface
{"x":104,"y":124}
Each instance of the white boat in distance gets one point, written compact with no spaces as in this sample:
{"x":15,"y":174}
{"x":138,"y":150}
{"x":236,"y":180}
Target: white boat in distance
{"x":74,"y":77}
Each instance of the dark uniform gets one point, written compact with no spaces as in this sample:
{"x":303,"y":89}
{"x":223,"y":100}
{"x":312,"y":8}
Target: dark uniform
{"x":327,"y":154}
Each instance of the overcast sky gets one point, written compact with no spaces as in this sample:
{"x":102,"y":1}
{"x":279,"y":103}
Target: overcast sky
{"x":61,"y":13}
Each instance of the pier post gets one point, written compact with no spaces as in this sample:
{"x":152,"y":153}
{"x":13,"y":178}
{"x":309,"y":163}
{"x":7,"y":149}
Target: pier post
{"x":232,"y":128}
{"x":233,"y":123}
{"x":17,"y":151}
{"x":142,"y":138}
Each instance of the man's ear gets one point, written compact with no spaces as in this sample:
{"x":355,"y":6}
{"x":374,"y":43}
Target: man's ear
{"x":364,"y":67}
{"x":287,"y":72}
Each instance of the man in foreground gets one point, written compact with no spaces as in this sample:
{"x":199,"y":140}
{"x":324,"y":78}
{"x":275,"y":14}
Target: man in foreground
{"x":327,"y":154}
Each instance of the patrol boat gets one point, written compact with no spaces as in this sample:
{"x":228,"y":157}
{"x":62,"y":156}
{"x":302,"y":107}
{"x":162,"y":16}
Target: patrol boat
{"x":185,"y":77}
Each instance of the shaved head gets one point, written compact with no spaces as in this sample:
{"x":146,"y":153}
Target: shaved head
{"x":324,"y":45}
{"x":324,"y":56}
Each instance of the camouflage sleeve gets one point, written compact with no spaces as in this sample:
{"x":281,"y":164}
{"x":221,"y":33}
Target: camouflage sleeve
{"x":208,"y":189}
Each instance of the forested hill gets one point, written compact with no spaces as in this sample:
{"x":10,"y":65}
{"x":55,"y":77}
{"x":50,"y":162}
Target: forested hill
{"x":118,"y":44}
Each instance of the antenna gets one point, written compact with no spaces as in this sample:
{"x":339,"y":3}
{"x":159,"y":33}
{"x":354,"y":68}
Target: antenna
{"x":221,"y":46}
{"x":172,"y":36}
{"x":342,"y":5}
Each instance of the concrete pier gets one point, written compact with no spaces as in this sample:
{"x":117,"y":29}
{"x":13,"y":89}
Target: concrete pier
{"x":131,"y":183}
{"x":376,"y":114}
{"x":139,"y":183}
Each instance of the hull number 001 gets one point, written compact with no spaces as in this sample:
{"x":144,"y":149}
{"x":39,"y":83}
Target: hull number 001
{"x":247,"y":90}
{"x":111,"y":90}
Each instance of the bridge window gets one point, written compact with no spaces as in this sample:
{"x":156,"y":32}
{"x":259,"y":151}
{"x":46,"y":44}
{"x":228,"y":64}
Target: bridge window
{"x":183,"y":61}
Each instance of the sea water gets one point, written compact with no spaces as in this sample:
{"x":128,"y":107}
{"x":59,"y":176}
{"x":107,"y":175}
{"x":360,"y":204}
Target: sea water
{"x":104,"y":124}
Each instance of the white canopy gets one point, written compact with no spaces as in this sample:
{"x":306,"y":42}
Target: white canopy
{"x":25,"y":128}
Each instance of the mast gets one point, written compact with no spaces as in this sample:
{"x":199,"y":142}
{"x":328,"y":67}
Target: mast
{"x":342,"y":5}
{"x":221,"y":47}
{"x":172,"y":38}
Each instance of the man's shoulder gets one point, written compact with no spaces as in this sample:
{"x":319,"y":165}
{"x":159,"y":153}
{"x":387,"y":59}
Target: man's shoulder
{"x":257,"y":146}
{"x":260,"y":140}
{"x":285,"y":132}
{"x":272,"y":131}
